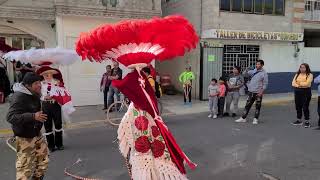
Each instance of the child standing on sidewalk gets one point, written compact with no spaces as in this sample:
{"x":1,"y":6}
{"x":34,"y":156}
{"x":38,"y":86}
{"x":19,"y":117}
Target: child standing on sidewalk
{"x":317,"y":82}
{"x":222,"y":95}
{"x":213,"y":92}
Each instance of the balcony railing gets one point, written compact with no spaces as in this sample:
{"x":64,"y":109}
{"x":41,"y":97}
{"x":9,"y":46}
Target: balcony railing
{"x":312,"y":10}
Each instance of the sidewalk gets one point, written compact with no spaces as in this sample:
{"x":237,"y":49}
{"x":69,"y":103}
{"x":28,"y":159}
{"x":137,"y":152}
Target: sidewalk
{"x":172,"y":105}
{"x":175,"y":103}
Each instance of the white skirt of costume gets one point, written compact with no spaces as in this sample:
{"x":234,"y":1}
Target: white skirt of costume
{"x":149,"y":156}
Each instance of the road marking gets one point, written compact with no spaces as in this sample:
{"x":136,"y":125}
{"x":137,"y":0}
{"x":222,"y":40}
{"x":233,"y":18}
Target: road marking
{"x":269,"y":176}
{"x":5,"y":131}
{"x":265,"y":151}
{"x":232,"y":157}
{"x":9,"y":144}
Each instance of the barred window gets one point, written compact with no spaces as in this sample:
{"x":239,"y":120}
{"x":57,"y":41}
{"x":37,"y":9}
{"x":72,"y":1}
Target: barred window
{"x":312,"y":10}
{"x":272,"y":7}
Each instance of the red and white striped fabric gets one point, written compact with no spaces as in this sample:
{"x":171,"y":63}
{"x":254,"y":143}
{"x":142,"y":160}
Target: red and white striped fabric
{"x":63,"y":97}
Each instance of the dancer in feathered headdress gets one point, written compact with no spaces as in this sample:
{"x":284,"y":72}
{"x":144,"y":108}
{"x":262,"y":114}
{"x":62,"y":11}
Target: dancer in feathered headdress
{"x":56,"y":99}
{"x":143,"y":137}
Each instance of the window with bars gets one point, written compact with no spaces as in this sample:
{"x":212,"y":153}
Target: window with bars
{"x":312,"y":10}
{"x":239,"y":55}
{"x":272,"y":7}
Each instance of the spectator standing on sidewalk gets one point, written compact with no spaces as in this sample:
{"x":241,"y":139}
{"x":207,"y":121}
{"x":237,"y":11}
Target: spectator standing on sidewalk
{"x":317,"y":82}
{"x":213,"y":93}
{"x":116,"y":74}
{"x":222,"y":95}
{"x":256,"y":86}
{"x":105,"y":84}
{"x":235,"y":82}
{"x":26,"y":119}
{"x":302,"y":94}
{"x":154,"y":84}
{"x":186,"y":79}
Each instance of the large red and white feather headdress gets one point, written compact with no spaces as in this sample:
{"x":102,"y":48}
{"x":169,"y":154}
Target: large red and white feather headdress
{"x":136,"y":42}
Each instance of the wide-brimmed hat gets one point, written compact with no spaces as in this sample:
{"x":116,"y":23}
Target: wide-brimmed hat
{"x":57,"y":56}
{"x":46,"y":69}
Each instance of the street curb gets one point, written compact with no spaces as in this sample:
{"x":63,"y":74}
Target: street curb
{"x":5,"y":133}
{"x":264,"y":103}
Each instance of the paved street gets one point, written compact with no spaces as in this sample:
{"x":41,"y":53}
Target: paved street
{"x":172,"y":105}
{"x":223,"y":149}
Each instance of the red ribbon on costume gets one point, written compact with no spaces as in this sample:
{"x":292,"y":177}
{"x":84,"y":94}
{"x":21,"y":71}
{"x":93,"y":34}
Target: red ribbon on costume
{"x":176,"y":153}
{"x":143,"y":97}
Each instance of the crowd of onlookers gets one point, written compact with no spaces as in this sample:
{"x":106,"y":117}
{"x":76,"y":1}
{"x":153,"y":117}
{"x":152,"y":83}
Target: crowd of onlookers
{"x":106,"y":87}
{"x":253,"y":82}
{"x":222,"y":92}
{"x":115,"y":73}
{"x":228,"y":90}
{"x":225,"y":92}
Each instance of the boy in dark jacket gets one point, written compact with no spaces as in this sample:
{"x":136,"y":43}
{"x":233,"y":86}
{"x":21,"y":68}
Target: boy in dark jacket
{"x":26,"y":119}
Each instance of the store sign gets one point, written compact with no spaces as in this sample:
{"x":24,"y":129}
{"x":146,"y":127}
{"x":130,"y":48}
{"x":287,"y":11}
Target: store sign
{"x":252,"y":35}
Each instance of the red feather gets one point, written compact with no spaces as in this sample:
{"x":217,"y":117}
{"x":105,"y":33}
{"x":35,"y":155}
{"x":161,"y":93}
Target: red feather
{"x":174,"y":34}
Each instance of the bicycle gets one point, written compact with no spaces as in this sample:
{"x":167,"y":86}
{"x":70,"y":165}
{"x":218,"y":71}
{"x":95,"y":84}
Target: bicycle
{"x":117,"y":110}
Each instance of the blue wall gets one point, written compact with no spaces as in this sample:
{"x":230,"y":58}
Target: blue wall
{"x":281,"y":82}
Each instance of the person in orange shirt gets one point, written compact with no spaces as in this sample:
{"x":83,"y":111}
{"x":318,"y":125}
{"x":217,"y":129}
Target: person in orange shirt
{"x":147,"y":71}
{"x":302,"y":94}
{"x":222,"y":95}
{"x":155,"y":85}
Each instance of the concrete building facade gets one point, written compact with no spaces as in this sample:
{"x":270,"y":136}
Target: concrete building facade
{"x":51,"y":23}
{"x":284,"y":33}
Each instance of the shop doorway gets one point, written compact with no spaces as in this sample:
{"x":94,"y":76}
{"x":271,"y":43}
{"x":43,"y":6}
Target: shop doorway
{"x":210,"y":67}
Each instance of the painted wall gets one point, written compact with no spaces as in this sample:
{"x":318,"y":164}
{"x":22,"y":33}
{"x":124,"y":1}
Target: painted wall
{"x":191,"y":9}
{"x":82,"y":78}
{"x":279,"y":57}
{"x":282,"y":65}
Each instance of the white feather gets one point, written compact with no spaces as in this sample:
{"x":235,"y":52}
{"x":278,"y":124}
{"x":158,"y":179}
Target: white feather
{"x":154,"y":48}
{"x":124,"y":49}
{"x":159,"y":51}
{"x":59,"y":56}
